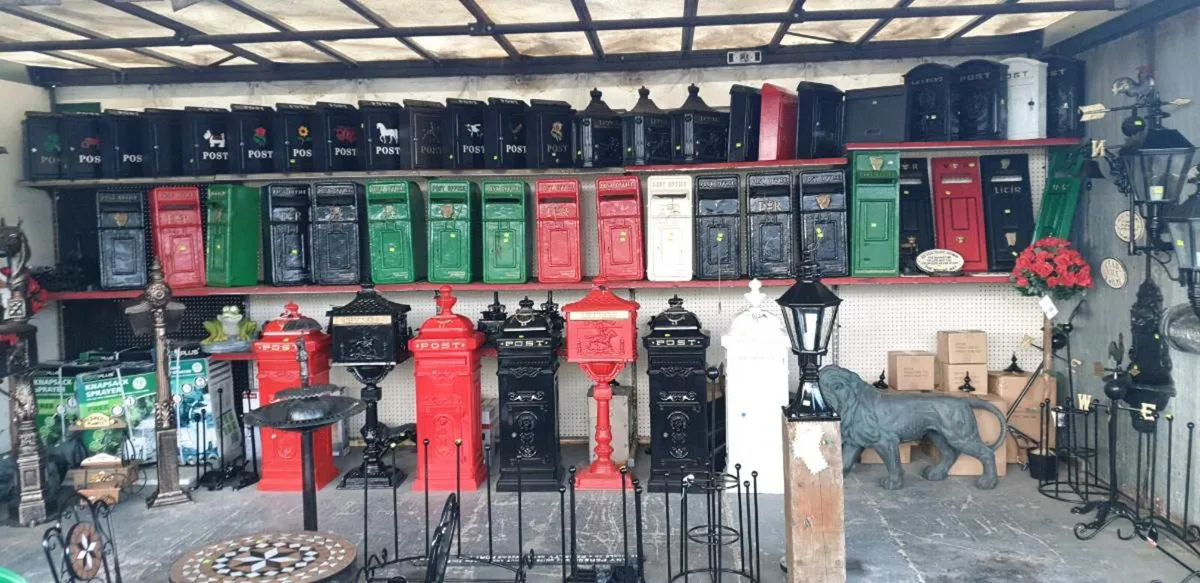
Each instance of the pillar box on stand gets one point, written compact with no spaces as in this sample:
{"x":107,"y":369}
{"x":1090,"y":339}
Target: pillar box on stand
{"x":558,"y":230}
{"x":527,"y":371}
{"x":619,"y":218}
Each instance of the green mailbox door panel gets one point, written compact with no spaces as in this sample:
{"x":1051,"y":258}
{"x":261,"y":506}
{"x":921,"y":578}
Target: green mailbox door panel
{"x":504,"y":252}
{"x":450,"y":252}
{"x":876,"y":237}
{"x":392,"y":252}
{"x":1058,"y":208}
{"x":217,"y":252}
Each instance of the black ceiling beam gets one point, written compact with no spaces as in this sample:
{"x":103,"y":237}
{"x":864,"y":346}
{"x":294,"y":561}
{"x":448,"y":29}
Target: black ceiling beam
{"x":489,"y":27}
{"x":1132,"y":20}
{"x":277,"y":24}
{"x":689,"y":32}
{"x":55,"y":23}
{"x":585,"y":17}
{"x":973,"y":24}
{"x":879,"y":26}
{"x":374,"y":18}
{"x":796,"y":7}
{"x":180,"y":29}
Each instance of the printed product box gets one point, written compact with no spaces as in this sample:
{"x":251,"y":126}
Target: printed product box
{"x":119,"y":394}
{"x":950,"y":377}
{"x":204,"y":404}
{"x":962,"y":346}
{"x":54,"y":385}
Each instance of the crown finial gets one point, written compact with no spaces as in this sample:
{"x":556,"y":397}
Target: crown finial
{"x":445,"y":301}
{"x":595,"y":93}
{"x":643,"y":92}
{"x":755,"y":297}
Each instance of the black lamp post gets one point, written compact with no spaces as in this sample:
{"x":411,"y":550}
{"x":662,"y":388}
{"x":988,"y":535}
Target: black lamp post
{"x":809,"y":312}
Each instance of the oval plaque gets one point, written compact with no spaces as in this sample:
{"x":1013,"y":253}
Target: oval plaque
{"x":940,"y":262}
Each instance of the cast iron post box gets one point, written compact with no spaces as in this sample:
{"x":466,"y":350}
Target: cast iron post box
{"x":699,"y":133}
{"x":597,"y":135}
{"x":669,"y":228}
{"x":646,"y":133}
{"x":462,"y":134}
{"x":162,"y":139}
{"x":178,"y":234}
{"x":121,"y":144}
{"x":396,"y":228}
{"x":1007,"y":208}
{"x":823,"y":220}
{"x":337,"y":238}
{"x":874,"y":114}
{"x":206,"y":150}
{"x":294,"y":131}
{"x":504,"y":133}
{"x":454,"y":238}
{"x":718,"y":227}
{"x":335,"y":137}
{"x":757,"y":356}
{"x":958,"y":209}
{"x":931,"y":97}
{"x":122,"y":237}
{"x":1064,"y":179}
{"x":527,"y":371}
{"x":43,"y":145}
{"x":875,"y":233}
{"x":1065,"y":84}
{"x":558,"y":236}
{"x":286,"y":259}
{"x":505,"y":231}
{"x":916,"y":206}
{"x":250,"y":129}
{"x":982,"y":100}
{"x":233,"y":235}
{"x":550,"y":125}
{"x":619,"y":219}
{"x":425,"y":126}
{"x":81,"y":132}
{"x":819,"y":112}
{"x":680,"y":415}
{"x":385,"y":137}
{"x":777,"y":138}
{"x":1026,"y":98}
{"x":446,"y":355}
{"x":277,"y":370}
{"x":770,"y":225}
{"x":745,"y":109}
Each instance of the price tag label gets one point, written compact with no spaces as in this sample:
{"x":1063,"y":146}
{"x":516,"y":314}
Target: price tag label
{"x":1048,"y":307}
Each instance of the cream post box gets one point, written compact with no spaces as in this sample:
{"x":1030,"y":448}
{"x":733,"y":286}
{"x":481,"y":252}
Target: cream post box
{"x":1026,"y":98}
{"x":669,"y":228}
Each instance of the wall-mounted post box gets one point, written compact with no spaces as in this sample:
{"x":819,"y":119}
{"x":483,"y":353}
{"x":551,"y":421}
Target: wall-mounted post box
{"x":286,"y":259}
{"x":122,"y":234}
{"x":931,"y":97}
{"x":718,"y":227}
{"x":162,"y":139}
{"x":1026,"y":98}
{"x":337,"y":241}
{"x":206,"y":147}
{"x":43,"y":145}
{"x":233,"y":235}
{"x":872,"y":114}
{"x":121,"y":144}
{"x":504,"y":133}
{"x":1007,"y":208}
{"x":770,"y":225}
{"x":178,"y":234}
{"x":425,"y":125}
{"x":462,"y":134}
{"x":1064,"y":180}
{"x":745,"y":110}
{"x":558,"y":235}
{"x":875,"y":217}
{"x":1065,"y":92}
{"x":454,"y":237}
{"x":506,"y":236}
{"x":916,"y":205}
{"x":84,"y":149}
{"x":396,"y":228}
{"x":385,"y":137}
{"x":336,"y":137}
{"x":669,"y":228}
{"x":777,"y":138}
{"x":250,"y":129}
{"x":550,"y":134}
{"x":823,"y":227}
{"x":294,"y":132}
{"x":982,"y":100}
{"x":819,"y":113}
{"x":619,"y":220}
{"x":646,"y":133}
{"x":958,"y":209}
{"x":699,"y":133}
{"x":597,"y":135}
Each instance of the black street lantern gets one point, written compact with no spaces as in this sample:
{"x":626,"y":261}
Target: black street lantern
{"x":370,"y":337}
{"x":1183,"y":225}
{"x":1157,"y":162}
{"x":809,"y":312}
{"x":527,"y":372}
{"x":597,"y":135}
{"x":699,"y":133}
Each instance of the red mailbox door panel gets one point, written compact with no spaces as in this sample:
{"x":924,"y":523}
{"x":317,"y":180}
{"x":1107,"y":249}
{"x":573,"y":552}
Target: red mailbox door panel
{"x":619,"y":217}
{"x":559,"y":259}
{"x":178,"y":235}
{"x":958,"y":210}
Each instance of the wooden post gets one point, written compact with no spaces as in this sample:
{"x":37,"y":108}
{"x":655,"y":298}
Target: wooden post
{"x":814,"y":506}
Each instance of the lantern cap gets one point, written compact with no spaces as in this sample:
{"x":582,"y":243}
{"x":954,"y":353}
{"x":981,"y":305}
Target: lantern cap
{"x":645,"y":105}
{"x":596,"y":107}
{"x":1157,"y":138}
{"x":447,"y":324}
{"x":694,"y":102}
{"x":368,"y":301}
{"x":808,"y":289}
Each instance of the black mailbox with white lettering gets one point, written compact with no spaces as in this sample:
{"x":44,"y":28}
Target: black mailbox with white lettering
{"x":336,"y":137}
{"x":385,"y":139}
{"x":425,"y":125}
{"x":206,"y":149}
{"x":250,"y":126}
{"x":121,"y":144}
{"x":549,"y":134}
{"x":504,"y":133}
{"x":81,"y":132}
{"x":294,"y":137}
{"x":43,"y":145}
{"x":462,"y":134}
{"x":1007,"y":208}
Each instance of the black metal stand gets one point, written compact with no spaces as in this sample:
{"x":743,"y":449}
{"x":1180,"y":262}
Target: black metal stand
{"x":248,"y":468}
{"x":374,"y":472}
{"x":728,"y":551}
{"x":1113,"y":508}
{"x":309,"y":480}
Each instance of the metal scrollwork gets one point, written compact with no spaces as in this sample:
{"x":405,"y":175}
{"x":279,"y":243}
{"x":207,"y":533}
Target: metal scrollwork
{"x":1147,"y":349}
{"x":678,"y":423}
{"x":674,"y":371}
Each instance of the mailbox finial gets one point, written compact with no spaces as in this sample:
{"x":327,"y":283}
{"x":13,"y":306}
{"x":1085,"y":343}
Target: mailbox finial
{"x":445,"y":301}
{"x":755,"y":297}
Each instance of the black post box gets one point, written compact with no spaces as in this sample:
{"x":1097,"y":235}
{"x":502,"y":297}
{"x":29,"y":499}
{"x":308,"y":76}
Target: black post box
{"x":874,"y":115}
{"x":206,"y":150}
{"x":77,"y":238}
{"x":462,"y":134}
{"x":504,"y":133}
{"x":823,"y":220}
{"x":718,"y":234}
{"x":527,"y":371}
{"x":699,"y":133}
{"x":294,"y":125}
{"x":337,"y":218}
{"x":819,"y":112}
{"x":121,"y":226}
{"x":425,"y":125}
{"x":646,"y":133}
{"x":162,"y":136}
{"x":1065,"y":84}
{"x":549,"y":134}
{"x":250,"y":128}
{"x":770,"y":225}
{"x":597,"y":135}
{"x":121,"y":144}
{"x":285,"y":236}
{"x":385,"y":137}
{"x":81,"y":132}
{"x":1007,"y":208}
{"x":745,"y":107}
{"x":930,"y":103}
{"x":336,"y":137}
{"x":43,"y":145}
{"x":982,"y":104}
{"x":916,"y":209}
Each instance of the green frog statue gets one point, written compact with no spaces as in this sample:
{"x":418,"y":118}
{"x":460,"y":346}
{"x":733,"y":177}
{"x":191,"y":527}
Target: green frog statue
{"x":231,"y":331}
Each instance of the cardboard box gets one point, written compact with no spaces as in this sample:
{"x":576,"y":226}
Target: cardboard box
{"x":196,"y":383}
{"x":962,"y":347}
{"x":989,"y":429}
{"x":1027,"y":416}
{"x":870,"y":457}
{"x":950,"y":377}
{"x":119,"y":395}
{"x":54,"y":386}
{"x":911,"y":370}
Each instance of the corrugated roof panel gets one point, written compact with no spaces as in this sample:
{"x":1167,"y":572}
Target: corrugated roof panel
{"x":922,"y":28}
{"x":311,"y":14}
{"x":420,"y":12}
{"x":42,"y":60}
{"x":1015,"y":23}
{"x":733,"y":36}
{"x":373,"y":49}
{"x":287,"y":52}
{"x":842,"y":30}
{"x":209,"y":17}
{"x":717,"y":7}
{"x":119,"y":58}
{"x":461,"y":47}
{"x":100,"y":18}
{"x":552,"y":44}
{"x":816,"y":5}
{"x":642,"y":40}
{"x":624,"y":9}
{"x":507,"y":11}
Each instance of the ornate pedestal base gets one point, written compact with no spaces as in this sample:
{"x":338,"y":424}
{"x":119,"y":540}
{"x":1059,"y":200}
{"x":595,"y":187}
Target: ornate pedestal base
{"x":168,"y":493}
{"x":373,"y":472}
{"x":603,"y":474}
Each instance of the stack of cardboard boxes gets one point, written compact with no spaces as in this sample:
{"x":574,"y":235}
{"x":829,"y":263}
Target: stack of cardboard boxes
{"x":962,"y":364}
{"x":1026,"y":418}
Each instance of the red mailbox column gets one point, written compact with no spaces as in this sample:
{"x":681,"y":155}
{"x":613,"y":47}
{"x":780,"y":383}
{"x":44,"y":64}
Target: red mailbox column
{"x":619,"y":216}
{"x":446,"y":362}
{"x":178,"y":235}
{"x":277,"y":369}
{"x":557,"y":202}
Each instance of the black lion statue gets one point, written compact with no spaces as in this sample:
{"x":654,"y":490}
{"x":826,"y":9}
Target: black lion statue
{"x":882,"y":420}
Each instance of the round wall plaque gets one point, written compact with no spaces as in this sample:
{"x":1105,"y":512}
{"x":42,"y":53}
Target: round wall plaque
{"x":1121,"y":226}
{"x":1113,"y":272}
{"x":940,"y":262}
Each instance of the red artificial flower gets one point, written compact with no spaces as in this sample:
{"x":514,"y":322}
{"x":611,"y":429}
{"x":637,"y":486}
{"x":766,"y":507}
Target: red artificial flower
{"x":1022,"y":281}
{"x":1052,"y":281}
{"x":1043,"y":270}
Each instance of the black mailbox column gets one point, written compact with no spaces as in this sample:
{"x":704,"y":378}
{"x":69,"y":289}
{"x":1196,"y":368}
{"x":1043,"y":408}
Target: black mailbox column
{"x":823,"y":220}
{"x":337,"y":210}
{"x":981,"y":104}
{"x":527,"y":369}
{"x":286,"y":258}
{"x":718,"y":232}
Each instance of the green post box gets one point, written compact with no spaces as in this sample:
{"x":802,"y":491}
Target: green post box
{"x":454,"y":238}
{"x":505,"y":231}
{"x":233,"y":240}
{"x":875,"y":227}
{"x":1064,"y":180}
{"x":396,"y":231}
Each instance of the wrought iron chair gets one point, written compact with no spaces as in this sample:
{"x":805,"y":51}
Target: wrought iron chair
{"x":80,"y":547}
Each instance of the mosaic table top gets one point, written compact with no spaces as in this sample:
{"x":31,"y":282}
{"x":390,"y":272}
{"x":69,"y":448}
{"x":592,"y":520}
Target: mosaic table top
{"x":276,"y":557}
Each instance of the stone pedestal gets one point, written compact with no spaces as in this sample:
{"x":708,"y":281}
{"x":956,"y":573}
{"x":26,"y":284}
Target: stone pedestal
{"x":813,"y":502}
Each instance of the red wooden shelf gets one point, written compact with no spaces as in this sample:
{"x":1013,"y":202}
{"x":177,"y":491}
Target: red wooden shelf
{"x":971,"y":145}
{"x":738,"y":165}
{"x":232,"y":356}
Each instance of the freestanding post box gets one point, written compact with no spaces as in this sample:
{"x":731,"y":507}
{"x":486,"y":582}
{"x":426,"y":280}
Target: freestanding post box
{"x":178,"y":234}
{"x":875,"y":232}
{"x":122,"y":235}
{"x":425,"y":124}
{"x":770,"y":225}
{"x":819,"y":112}
{"x":982,"y":100}
{"x":823,"y":220}
{"x":337,"y":241}
{"x":619,"y":219}
{"x":550,"y":125}
{"x":233,"y":238}
{"x":294,"y":131}
{"x":1065,"y":84}
{"x":669,"y":228}
{"x":958,"y":209}
{"x":462,"y":134}
{"x":286,"y":259}
{"x":454,"y":238}
{"x":1026,"y":98}
{"x":916,"y":205}
{"x":385,"y":138}
{"x":250,"y":128}
{"x":396,"y":228}
{"x":43,"y":145}
{"x":446,"y":355}
{"x":745,"y":109}
{"x":121,"y":144}
{"x":1007,"y":208}
{"x":504,"y":133}
{"x":718,"y":227}
{"x":646,"y":133}
{"x":931,"y":98}
{"x":1064,"y":179}
{"x":162,"y":139}
{"x":527,"y":371}
{"x":558,"y":236}
{"x":336,"y":137}
{"x":597,"y":135}
{"x":505,"y":231}
{"x":206,"y":149}
{"x":777,"y":138}
{"x":81,"y":132}
{"x":699,"y":133}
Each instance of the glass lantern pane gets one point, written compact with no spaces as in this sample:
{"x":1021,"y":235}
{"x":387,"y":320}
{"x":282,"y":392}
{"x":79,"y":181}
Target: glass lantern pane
{"x":1162,"y":174}
{"x":788,"y":320}
{"x":827,"y":325}
{"x":1182,"y":237}
{"x":812,"y":328}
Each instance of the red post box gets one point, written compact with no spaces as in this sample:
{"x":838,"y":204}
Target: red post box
{"x":958,"y":210}
{"x":446,"y":364}
{"x":619,"y":216}
{"x":557,"y":201}
{"x":178,"y":234}
{"x":602,"y":338}
{"x":277,"y":369}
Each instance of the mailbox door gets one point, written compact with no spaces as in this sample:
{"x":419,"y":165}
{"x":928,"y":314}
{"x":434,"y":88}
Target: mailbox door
{"x":391,"y":251}
{"x":504,"y":243}
{"x":717,"y":248}
{"x":558,"y":250}
{"x":770,"y":239}
{"x":289,"y":252}
{"x":335,"y":253}
{"x":669,"y":232}
{"x":450,"y":250}
{"x":621,"y":248}
{"x":958,"y":210}
{"x":1007,"y":208}
{"x":916,"y":205}
{"x":181,"y":250}
{"x":1026,"y":99}
{"x":218,"y":254}
{"x":679,"y":426}
{"x":826,"y":232}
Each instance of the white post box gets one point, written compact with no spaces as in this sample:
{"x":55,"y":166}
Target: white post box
{"x":1026,"y":98}
{"x":669,"y":228}
{"x":757,"y":357}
